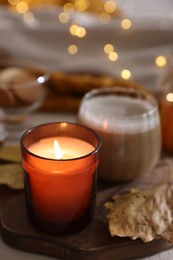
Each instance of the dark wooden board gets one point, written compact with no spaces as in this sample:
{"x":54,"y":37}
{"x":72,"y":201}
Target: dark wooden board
{"x":93,"y":242}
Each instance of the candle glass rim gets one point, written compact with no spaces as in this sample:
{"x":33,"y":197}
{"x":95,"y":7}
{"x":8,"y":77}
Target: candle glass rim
{"x":99,"y":141}
{"x":125,"y":91}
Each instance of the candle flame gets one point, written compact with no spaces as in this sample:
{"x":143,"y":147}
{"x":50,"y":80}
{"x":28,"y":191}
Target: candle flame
{"x":57,"y":149}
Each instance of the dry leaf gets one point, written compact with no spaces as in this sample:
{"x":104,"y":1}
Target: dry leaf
{"x":143,"y":214}
{"x":12,"y":175}
{"x":10,"y":153}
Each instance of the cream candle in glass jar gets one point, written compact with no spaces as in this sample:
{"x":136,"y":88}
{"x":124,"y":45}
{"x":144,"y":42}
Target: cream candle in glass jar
{"x":128,"y":122}
{"x":60,"y":163}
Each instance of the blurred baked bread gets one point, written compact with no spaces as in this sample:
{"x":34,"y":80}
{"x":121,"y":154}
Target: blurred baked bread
{"x":65,"y":90}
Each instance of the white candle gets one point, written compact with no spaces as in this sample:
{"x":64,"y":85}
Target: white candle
{"x":70,"y":147}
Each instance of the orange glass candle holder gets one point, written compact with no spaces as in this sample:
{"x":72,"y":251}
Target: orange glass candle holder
{"x":60,"y":191}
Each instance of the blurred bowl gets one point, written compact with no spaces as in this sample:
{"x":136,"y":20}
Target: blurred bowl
{"x":22,"y":91}
{"x":22,"y":86}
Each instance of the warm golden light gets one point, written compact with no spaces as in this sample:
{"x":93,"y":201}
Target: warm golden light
{"x":29,"y":17}
{"x":81,"y":5}
{"x":73,"y":49}
{"x":13,"y":2}
{"x":69,"y":8}
{"x":113,"y":56}
{"x":160,"y":61}
{"x":22,"y":7}
{"x":63,"y":125}
{"x":57,"y":150}
{"x":126,"y":24}
{"x":78,"y":31}
{"x":169,"y":97}
{"x":64,"y":17}
{"x":108,"y":48}
{"x":73,"y":29}
{"x":110,"y":6}
{"x":126,"y":74}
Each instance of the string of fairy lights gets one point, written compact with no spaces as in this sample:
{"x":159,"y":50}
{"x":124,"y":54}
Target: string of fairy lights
{"x":109,"y":11}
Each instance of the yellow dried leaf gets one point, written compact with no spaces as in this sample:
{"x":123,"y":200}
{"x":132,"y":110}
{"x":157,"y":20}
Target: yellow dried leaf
{"x":143,"y":214}
{"x":11,"y":174}
{"x":10,"y":153}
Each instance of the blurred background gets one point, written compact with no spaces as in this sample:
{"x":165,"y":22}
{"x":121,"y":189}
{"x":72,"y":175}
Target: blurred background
{"x":127,"y":39}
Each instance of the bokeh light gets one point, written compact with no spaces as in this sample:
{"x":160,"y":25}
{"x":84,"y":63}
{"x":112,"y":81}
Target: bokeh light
{"x":69,"y":8}
{"x":108,"y":48}
{"x":64,"y":17}
{"x":81,"y":5}
{"x":22,"y":7}
{"x":160,"y":61}
{"x":77,"y":30}
{"x":13,"y":2}
{"x":72,"y":49}
{"x":113,"y":56}
{"x":110,"y":6}
{"x":126,"y":74}
{"x":126,"y":24}
{"x":29,"y":18}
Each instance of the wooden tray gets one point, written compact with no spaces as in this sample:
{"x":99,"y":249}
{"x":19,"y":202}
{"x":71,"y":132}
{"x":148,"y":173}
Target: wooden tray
{"x":93,"y":242}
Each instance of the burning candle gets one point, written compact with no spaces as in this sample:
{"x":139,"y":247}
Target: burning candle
{"x":60,"y":162}
{"x":61,"y":148}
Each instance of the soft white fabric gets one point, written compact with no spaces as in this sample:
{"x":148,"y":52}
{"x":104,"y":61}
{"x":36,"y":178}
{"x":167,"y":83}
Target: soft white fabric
{"x":47,"y":40}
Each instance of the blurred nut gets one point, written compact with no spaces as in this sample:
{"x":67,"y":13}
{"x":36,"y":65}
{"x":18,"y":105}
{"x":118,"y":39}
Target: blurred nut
{"x":18,"y":87}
